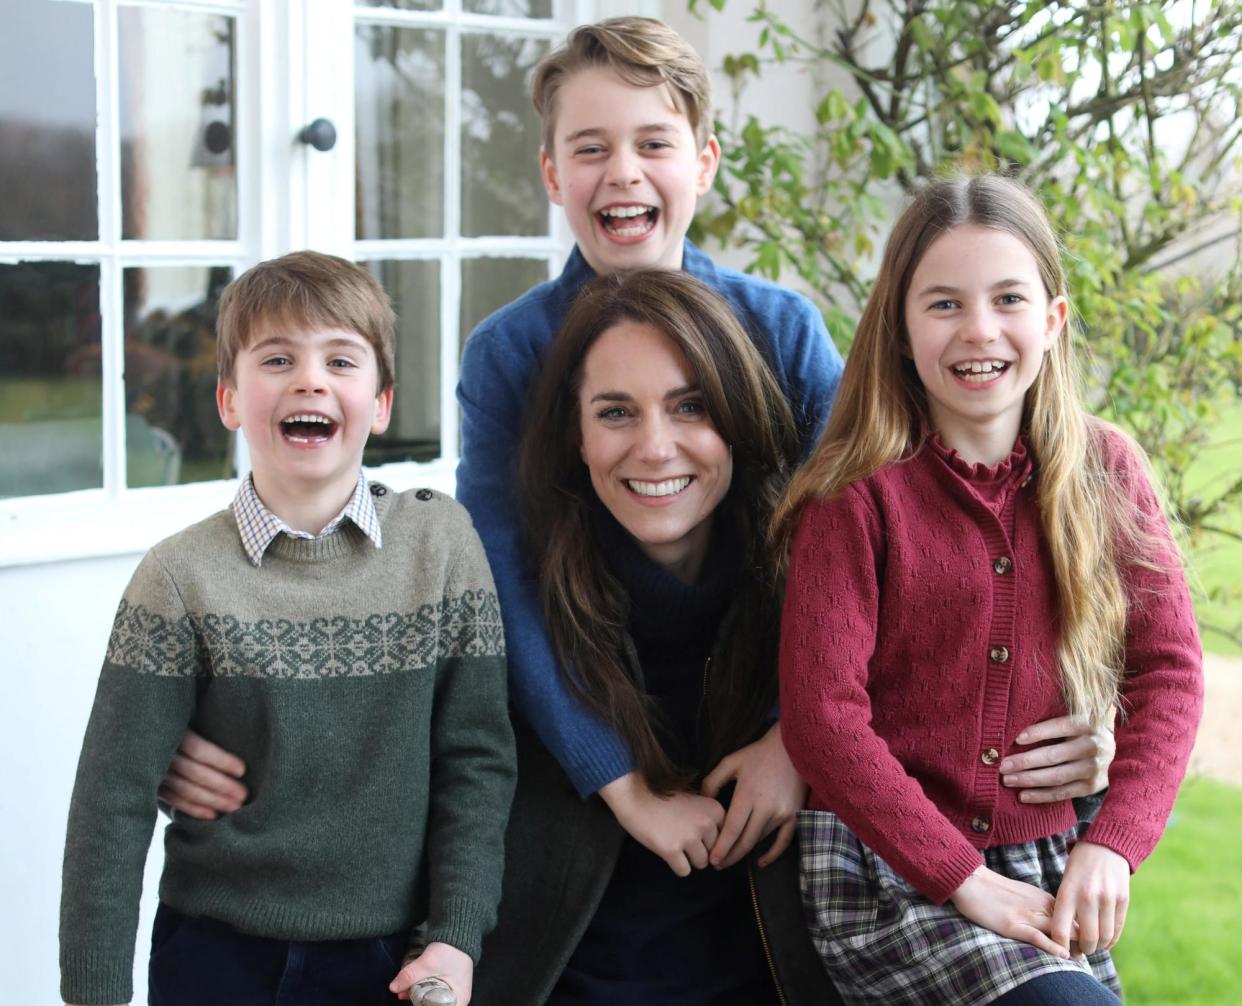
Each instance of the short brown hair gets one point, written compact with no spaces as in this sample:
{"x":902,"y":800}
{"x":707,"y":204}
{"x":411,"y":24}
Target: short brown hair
{"x":306,"y":288}
{"x":643,"y":52}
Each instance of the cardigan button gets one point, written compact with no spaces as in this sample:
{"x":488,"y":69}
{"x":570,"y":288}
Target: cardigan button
{"x":981,"y":825}
{"x":424,"y":495}
{"x":1002,"y":565}
{"x":378,"y":490}
{"x":999,"y":654}
{"x":990,"y":757}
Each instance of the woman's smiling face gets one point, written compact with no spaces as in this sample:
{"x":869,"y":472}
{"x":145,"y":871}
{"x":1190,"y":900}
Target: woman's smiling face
{"x":655,"y":458}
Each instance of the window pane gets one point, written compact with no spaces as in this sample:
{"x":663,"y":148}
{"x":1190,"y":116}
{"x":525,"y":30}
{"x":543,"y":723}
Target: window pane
{"x":501,"y":192}
{"x":403,"y":4}
{"x":399,"y":95}
{"x":173,"y":433}
{"x":51,"y":417}
{"x":178,"y":144}
{"x":47,"y":122}
{"x":488,"y":284}
{"x":509,"y":8}
{"x":414,"y":432}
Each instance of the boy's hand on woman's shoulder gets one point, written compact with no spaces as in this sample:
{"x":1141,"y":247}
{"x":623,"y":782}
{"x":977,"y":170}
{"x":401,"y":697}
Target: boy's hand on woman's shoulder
{"x":438,"y":960}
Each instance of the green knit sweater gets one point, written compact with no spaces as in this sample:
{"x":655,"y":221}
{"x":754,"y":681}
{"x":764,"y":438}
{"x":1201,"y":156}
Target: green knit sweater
{"x":365,"y":689}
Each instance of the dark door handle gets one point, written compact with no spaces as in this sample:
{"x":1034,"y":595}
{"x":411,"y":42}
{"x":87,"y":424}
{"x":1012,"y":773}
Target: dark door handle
{"x":320,"y":134}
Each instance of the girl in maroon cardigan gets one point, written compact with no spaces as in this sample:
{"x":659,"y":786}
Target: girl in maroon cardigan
{"x":970,"y":552}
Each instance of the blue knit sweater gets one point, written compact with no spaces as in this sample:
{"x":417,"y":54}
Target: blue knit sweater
{"x":499,"y":364}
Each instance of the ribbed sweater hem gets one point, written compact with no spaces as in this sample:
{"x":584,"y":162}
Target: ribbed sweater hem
{"x":281,"y":921}
{"x":1127,"y":842}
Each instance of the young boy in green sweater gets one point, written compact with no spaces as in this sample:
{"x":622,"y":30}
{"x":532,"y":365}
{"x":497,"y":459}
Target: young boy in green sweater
{"x":346,"y":641}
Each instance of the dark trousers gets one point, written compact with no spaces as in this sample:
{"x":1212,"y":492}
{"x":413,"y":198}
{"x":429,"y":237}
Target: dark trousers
{"x":203,"y":962}
{"x":1061,"y":988}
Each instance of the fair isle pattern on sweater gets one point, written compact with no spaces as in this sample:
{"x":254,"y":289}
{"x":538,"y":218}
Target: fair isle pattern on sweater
{"x":466,"y":625}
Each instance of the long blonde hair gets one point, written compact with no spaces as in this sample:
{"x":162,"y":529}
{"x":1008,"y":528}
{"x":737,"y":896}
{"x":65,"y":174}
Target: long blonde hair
{"x":881,"y":415}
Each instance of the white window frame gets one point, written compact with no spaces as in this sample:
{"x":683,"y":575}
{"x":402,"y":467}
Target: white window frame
{"x":294,"y":63}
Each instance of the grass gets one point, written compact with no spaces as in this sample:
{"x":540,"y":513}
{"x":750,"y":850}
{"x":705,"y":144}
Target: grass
{"x":1181,"y":942}
{"x":1218,"y":565}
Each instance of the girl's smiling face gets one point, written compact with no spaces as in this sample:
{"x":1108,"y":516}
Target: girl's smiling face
{"x":979,"y":322}
{"x":655,"y":459}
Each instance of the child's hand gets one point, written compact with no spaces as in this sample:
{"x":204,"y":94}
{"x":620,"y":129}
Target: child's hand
{"x":680,"y":829}
{"x":438,"y":960}
{"x":203,"y":780}
{"x":1011,"y":908}
{"x":767,"y":797}
{"x":1094,"y":895}
{"x":1072,"y":760}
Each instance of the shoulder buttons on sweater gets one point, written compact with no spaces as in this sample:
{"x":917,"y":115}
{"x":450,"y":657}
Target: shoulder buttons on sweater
{"x":377,"y":490}
{"x":424,"y":495}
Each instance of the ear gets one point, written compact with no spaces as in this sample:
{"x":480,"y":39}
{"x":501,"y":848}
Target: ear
{"x":226,"y":404}
{"x":551,"y":178}
{"x":708,"y":162}
{"x":1058,"y":312}
{"x":383,"y":412}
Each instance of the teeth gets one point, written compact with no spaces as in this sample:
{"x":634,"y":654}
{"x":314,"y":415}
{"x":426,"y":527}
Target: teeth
{"x":308,"y":418}
{"x":980,"y":367}
{"x":626,"y":211}
{"x":666,"y":488}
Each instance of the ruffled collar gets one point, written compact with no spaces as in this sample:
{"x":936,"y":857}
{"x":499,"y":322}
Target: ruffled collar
{"x":1018,"y":464}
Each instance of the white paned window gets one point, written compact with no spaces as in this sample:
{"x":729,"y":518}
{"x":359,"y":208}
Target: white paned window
{"x":152,"y":149}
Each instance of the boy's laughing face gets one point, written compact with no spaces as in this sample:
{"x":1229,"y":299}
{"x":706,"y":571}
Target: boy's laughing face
{"x":306,"y":399}
{"x":627,"y":169}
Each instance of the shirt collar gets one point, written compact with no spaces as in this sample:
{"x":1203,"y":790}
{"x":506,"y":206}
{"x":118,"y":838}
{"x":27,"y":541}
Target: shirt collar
{"x":259,"y":527}
{"x":578,"y":271}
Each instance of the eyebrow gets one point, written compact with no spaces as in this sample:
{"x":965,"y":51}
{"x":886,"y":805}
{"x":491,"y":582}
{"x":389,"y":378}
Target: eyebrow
{"x":598,"y":131}
{"x":280,"y":342}
{"x":998,"y":285}
{"x":625,"y":396}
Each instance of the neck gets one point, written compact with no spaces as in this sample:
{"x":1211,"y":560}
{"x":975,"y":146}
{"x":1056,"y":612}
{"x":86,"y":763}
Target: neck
{"x":979,"y":443}
{"x":682,"y":558}
{"x":309,"y":510}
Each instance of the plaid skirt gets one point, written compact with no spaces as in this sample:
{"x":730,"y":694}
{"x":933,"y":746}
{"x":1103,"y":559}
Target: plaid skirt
{"x":884,"y":942}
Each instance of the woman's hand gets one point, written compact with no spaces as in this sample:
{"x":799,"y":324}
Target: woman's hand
{"x":1011,"y":908}
{"x":1092,"y":899}
{"x":767,"y":795}
{"x":680,"y":829}
{"x":1074,"y":763}
{"x":203,"y":780}
{"x":438,"y":960}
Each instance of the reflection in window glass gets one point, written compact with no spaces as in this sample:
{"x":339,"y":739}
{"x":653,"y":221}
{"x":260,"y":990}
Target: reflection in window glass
{"x":488,"y":284}
{"x":47,"y":122}
{"x":509,"y":8}
{"x":178,"y":144}
{"x":51,"y":417}
{"x":501,"y":192}
{"x":414,"y":432}
{"x":399,"y":110}
{"x":403,"y":4}
{"x":173,"y":433}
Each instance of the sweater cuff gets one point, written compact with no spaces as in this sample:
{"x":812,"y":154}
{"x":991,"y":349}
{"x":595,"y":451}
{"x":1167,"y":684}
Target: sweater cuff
{"x":461,"y":923}
{"x":1128,"y":842}
{"x":92,"y":976}
{"x":951,"y":874}
{"x":594,"y":765}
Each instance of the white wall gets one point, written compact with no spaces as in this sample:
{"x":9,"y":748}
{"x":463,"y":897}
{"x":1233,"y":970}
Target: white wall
{"x":58,"y":617}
